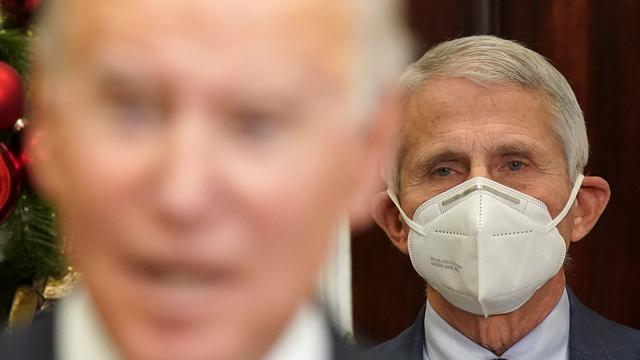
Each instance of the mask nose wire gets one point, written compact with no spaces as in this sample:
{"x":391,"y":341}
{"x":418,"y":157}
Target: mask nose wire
{"x":412,"y":224}
{"x":568,"y":205}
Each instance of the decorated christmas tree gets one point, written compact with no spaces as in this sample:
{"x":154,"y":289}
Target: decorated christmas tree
{"x":30,"y":252}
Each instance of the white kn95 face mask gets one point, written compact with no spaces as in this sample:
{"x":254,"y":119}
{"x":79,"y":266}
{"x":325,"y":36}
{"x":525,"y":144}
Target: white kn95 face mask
{"x":484,"y":246}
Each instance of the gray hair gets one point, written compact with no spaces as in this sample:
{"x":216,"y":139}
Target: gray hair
{"x":489,"y":59}
{"x":384,"y":46}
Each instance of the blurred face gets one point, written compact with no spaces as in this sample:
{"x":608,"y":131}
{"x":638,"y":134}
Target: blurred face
{"x":458,"y":130}
{"x":200,"y":153}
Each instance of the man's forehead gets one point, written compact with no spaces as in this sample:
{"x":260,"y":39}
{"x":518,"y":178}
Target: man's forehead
{"x":214,"y":13}
{"x":309,"y":29}
{"x":445,"y":105}
{"x":451,"y":119}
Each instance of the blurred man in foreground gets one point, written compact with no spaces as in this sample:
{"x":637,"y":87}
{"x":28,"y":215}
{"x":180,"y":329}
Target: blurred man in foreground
{"x":487,"y":195}
{"x":200,"y":154}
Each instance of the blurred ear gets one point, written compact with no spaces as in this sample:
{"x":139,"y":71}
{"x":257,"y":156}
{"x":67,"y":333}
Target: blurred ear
{"x":378,"y":145}
{"x":387,"y":216}
{"x":39,"y":142}
{"x":591,"y":201}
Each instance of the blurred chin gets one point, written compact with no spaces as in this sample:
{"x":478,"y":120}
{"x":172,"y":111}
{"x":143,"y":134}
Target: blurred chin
{"x":239,"y":323}
{"x":151,"y":343}
{"x":148,"y":332}
{"x":228,"y":334}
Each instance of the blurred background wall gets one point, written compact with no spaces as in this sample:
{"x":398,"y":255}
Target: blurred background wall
{"x":596,"y":45}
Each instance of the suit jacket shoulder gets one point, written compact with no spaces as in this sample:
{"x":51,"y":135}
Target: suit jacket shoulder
{"x":594,"y":337}
{"x":341,"y":350}
{"x":591,"y":337}
{"x":408,"y":345}
{"x":34,"y":343}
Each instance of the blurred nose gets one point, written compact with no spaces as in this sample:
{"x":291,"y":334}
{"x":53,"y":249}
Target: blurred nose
{"x":186,"y":182}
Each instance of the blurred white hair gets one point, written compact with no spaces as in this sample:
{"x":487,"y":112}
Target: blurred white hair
{"x":385,"y":49}
{"x":488,"y":60}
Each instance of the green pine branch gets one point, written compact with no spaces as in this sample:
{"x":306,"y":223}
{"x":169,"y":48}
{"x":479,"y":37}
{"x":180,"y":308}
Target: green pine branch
{"x":31,"y":250}
{"x":14,"y":50}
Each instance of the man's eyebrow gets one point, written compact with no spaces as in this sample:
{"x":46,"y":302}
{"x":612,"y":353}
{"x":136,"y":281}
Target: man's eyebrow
{"x":116,"y":73}
{"x":428,"y":161}
{"x":514,"y":148}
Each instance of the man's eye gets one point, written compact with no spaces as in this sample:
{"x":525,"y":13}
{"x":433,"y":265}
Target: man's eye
{"x":515,"y":165}
{"x":257,"y":124}
{"x":131,"y":110}
{"x":137,"y":115}
{"x":443,"y":171}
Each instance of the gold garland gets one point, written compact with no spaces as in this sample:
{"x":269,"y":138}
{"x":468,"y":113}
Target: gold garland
{"x":23,"y":308}
{"x":29,"y":299}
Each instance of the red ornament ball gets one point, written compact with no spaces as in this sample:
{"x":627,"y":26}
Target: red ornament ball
{"x":11,"y":96}
{"x":9,"y":182}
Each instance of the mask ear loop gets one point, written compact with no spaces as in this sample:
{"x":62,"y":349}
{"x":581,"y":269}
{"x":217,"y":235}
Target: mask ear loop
{"x":568,"y":205}
{"x":412,"y":224}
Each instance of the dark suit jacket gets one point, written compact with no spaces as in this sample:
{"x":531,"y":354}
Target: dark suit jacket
{"x":591,"y":337}
{"x":36,"y":343}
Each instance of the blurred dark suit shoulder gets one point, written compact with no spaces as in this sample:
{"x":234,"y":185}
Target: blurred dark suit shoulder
{"x":34,"y":343}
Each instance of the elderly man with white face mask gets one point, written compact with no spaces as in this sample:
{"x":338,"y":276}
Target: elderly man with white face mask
{"x":201,"y":154}
{"x":487,"y":194}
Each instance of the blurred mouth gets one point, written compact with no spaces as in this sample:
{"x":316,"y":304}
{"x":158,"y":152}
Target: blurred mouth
{"x":178,"y":275}
{"x":180,"y":288}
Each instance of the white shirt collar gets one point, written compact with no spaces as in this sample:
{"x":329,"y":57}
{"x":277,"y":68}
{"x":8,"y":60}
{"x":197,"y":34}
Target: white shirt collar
{"x":306,"y":337}
{"x":79,"y":334}
{"x":548,"y":340}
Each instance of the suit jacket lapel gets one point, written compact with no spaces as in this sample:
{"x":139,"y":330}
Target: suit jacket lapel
{"x":417,"y":340}
{"x":583,"y":341}
{"x":411,"y":343}
{"x":594,"y":337}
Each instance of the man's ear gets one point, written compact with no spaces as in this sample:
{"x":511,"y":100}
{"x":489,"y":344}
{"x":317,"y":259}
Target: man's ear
{"x":378,"y":144}
{"x":387,"y":216}
{"x":591,"y":201}
{"x":39,"y":143}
